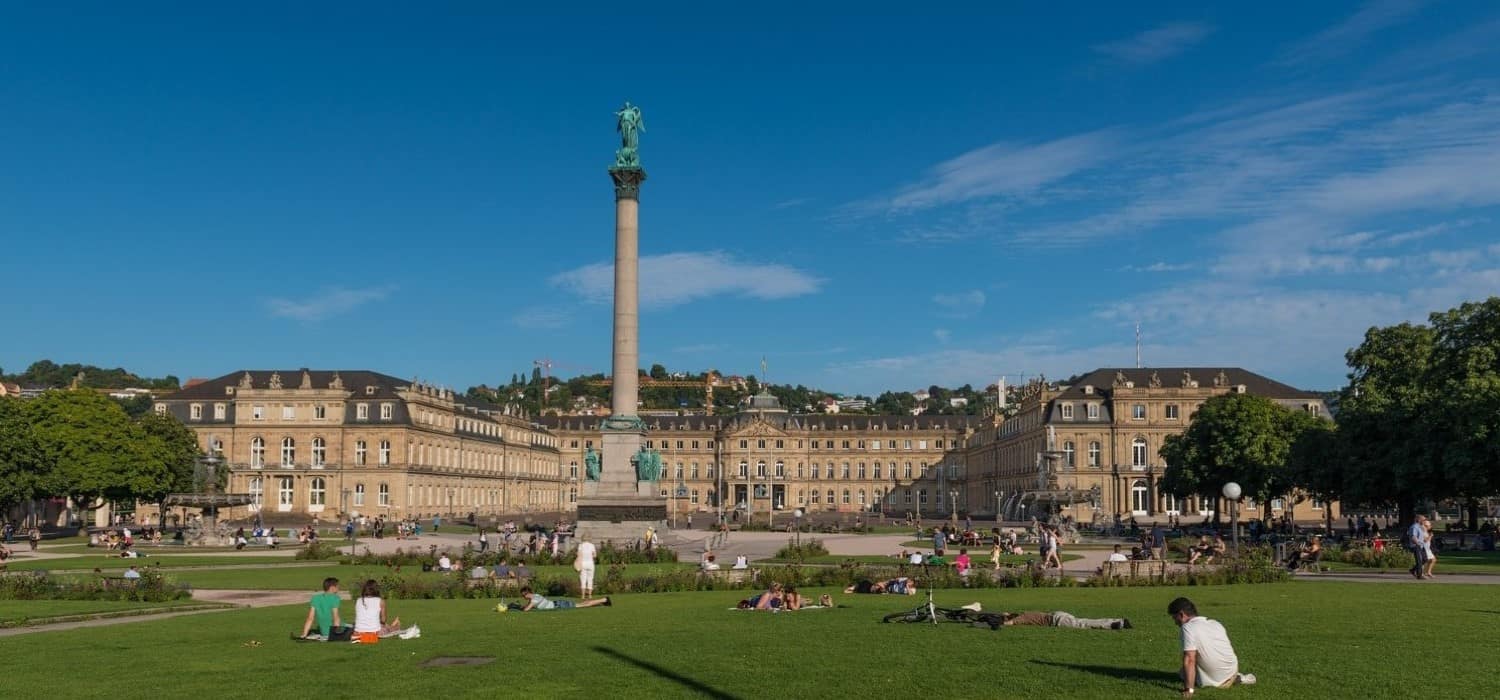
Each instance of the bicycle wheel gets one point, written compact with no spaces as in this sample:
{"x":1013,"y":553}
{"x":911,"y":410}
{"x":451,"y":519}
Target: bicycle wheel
{"x":919,"y":615}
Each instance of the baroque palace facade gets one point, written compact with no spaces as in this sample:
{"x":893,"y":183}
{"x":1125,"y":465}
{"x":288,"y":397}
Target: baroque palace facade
{"x":1092,"y":449}
{"x":765,"y":460}
{"x":310,"y":442}
{"x":324,"y":443}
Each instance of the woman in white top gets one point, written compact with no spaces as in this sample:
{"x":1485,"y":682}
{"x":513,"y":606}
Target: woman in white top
{"x":369,"y":615}
{"x":584,"y":563}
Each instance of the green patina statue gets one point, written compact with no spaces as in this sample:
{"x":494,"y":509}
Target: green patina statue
{"x":630,"y":126}
{"x":591,"y":465}
{"x":647,"y":465}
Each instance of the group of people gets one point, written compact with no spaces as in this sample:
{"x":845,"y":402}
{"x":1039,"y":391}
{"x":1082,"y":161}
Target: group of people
{"x":777,"y":598}
{"x":371,"y":622}
{"x":1206,"y":550}
{"x":1419,"y":543}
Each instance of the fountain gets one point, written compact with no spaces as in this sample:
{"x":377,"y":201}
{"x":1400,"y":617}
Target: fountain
{"x":208,"y":500}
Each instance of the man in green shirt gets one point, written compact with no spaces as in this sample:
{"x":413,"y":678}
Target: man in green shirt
{"x":324,"y":610}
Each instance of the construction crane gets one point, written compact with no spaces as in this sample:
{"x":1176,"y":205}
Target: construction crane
{"x":707,"y":384}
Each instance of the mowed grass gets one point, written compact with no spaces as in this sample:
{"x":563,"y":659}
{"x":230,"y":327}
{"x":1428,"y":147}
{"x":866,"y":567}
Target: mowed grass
{"x":309,"y":578}
{"x":165,"y":561}
{"x":977,"y":560}
{"x":13,"y":612}
{"x":1453,"y":562}
{"x":1326,"y":640}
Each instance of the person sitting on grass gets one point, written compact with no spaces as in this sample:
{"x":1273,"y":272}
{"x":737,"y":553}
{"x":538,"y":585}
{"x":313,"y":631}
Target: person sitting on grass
{"x":370,"y":618}
{"x":537,"y":602}
{"x":1208,"y":659}
{"x":132,"y":573}
{"x":444,"y":563}
{"x":773,"y":598}
{"x":1198,"y":550}
{"x":324,"y":610}
{"x":1060,"y":619}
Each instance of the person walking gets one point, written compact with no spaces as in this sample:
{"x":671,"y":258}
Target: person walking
{"x":1427,"y":548}
{"x":484,"y":541}
{"x":1417,"y":543}
{"x":34,"y":537}
{"x":1208,"y":659}
{"x":583,"y":563}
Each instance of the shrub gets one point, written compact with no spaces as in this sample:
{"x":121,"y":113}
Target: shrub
{"x":152,"y":587}
{"x":1391,"y":558}
{"x":800,"y":551}
{"x":319,"y":551}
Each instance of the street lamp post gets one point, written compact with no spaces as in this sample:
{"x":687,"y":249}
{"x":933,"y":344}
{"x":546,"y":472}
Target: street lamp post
{"x":953,"y":505}
{"x":997,"y":508}
{"x":797,"y":515}
{"x":1232,"y":493}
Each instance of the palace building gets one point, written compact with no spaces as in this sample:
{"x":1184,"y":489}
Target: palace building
{"x":323,"y":443}
{"x":1092,"y":448}
{"x":765,"y":460}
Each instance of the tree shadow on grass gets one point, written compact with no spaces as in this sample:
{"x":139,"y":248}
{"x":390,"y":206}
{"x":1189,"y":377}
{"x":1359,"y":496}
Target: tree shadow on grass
{"x":684,"y":681}
{"x":1166,"y":679}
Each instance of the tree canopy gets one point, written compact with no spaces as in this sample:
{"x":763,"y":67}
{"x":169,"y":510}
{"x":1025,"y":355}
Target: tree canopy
{"x":1235,"y":437}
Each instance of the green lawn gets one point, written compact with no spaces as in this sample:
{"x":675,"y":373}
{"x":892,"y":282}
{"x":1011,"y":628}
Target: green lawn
{"x":166,"y":561}
{"x":1447,"y":563}
{"x":296,"y":578}
{"x":1301,"y":639}
{"x":14,"y":612}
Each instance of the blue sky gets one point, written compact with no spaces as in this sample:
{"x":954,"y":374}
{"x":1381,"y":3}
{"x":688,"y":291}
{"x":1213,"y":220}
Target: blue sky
{"x":868,"y":197}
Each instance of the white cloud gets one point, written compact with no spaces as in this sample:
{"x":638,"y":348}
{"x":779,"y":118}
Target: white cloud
{"x":942,"y":335}
{"x":678,"y":278}
{"x":541,"y":317}
{"x":330,"y":301}
{"x":1156,"y":44}
{"x":1004,"y":169}
{"x":1159,"y":266}
{"x":960,"y":303}
{"x":1345,"y":36}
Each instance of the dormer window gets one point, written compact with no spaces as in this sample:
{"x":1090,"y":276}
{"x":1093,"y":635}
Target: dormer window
{"x":229,"y":391}
{"x":1088,"y":390}
{"x":1067,"y":411}
{"x":1093,"y":411}
{"x":370,"y":390}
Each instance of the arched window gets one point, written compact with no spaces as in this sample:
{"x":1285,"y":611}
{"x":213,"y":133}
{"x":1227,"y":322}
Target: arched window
{"x":288,"y":452}
{"x":217,"y":447}
{"x":878,"y":497}
{"x":861,"y":467}
{"x":846,"y":497}
{"x":862,"y":501}
{"x":319,"y":452}
{"x":284,"y":493}
{"x":815,"y":496}
{"x":359,"y":453}
{"x":844,"y":472}
{"x":922,"y":496}
{"x":744,"y":469}
{"x":318,"y":494}
{"x":1140,"y":498}
{"x":1068,"y":454}
{"x":780,"y":469}
{"x":1171,"y":504}
{"x":384,"y":494}
{"x":1093,"y":453}
{"x":572,"y":494}
{"x":828,"y":473}
{"x":359,"y":495}
{"x":1138,"y":452}
{"x":830,"y":496}
{"x":257,"y":491}
{"x":760,"y":469}
{"x":680,"y":471}
{"x":877,"y":470}
{"x":385,"y":452}
{"x":257,"y":452}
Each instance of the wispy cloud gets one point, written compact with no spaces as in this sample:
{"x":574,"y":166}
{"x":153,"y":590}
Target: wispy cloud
{"x":793,"y":202}
{"x":965,"y":303}
{"x":541,"y":318}
{"x":1158,"y":267}
{"x":330,"y":301}
{"x":1347,"y":35}
{"x":678,"y":278}
{"x":1156,"y":44}
{"x":1002,"y":169}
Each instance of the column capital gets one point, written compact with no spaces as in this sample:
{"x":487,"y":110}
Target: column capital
{"x":627,"y":181}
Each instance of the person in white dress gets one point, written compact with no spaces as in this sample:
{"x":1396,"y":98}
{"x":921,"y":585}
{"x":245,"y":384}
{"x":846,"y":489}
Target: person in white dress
{"x":584,"y":562}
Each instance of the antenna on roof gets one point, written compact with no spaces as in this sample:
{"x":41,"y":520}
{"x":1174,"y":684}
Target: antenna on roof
{"x":1137,"y":344}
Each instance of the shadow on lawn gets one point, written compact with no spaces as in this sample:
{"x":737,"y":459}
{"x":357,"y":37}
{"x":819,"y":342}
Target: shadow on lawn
{"x":673,"y":676}
{"x":1166,"y":679}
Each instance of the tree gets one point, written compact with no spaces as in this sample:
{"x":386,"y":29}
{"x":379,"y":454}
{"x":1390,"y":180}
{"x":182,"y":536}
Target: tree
{"x":1234,"y":437}
{"x":1316,"y":465}
{"x":25,"y":472}
{"x":1465,"y":374}
{"x":175,"y":447}
{"x":658,"y":372}
{"x":1385,"y":430}
{"x":98,"y":452}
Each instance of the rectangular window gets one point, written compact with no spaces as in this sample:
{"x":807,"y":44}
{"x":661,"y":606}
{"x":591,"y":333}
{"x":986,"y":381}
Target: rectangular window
{"x":289,"y":413}
{"x":362,"y":411}
{"x":257,"y":412}
{"x":1093,"y":411}
{"x":906,"y":444}
{"x":284,"y":492}
{"x":359,"y":453}
{"x":1067,"y":411}
{"x":386,"y":411}
{"x":744,"y":444}
{"x":779,"y":444}
{"x":874,"y":444}
{"x":846,"y":444}
{"x":195,"y":411}
{"x":1138,"y":411}
{"x":320,"y":412}
{"x":1171,"y":411}
{"x":359,"y":495}
{"x":385,"y":495}
{"x":921,"y":444}
{"x":219,"y":410}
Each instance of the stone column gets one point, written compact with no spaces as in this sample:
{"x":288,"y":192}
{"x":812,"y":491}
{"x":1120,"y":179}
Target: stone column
{"x":626,"y":393}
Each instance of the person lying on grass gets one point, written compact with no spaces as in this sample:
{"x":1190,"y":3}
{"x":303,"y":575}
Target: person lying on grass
{"x":1060,"y":619}
{"x":772,"y":599}
{"x":901,"y":585}
{"x":537,"y":602}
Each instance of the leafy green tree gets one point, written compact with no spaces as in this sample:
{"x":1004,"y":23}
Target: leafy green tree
{"x":1465,"y":374}
{"x":98,"y":452}
{"x":1316,"y":464}
{"x":25,"y":472}
{"x":1234,"y":437}
{"x":1386,"y":436}
{"x":174,"y":446}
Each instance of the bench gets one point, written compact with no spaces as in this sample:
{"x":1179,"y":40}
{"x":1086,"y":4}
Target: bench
{"x":730,"y":575}
{"x":1136,"y":568}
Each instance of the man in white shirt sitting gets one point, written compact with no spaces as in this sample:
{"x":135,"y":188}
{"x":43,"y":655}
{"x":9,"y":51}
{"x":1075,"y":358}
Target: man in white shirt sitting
{"x":1117,"y":556}
{"x":1208,"y":659}
{"x":444,"y":563}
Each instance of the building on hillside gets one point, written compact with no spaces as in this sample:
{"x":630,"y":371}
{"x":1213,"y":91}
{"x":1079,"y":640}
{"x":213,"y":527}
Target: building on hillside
{"x":1092,"y":448}
{"x":10,"y":389}
{"x":330,"y":443}
{"x":765,"y":459}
